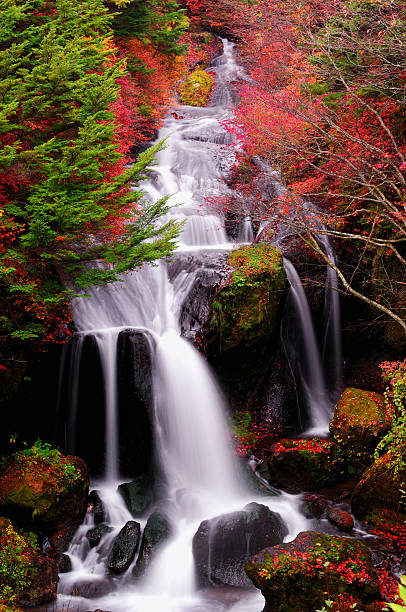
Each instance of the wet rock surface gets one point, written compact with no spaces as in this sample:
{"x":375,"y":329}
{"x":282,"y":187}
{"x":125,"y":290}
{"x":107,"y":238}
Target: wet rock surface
{"x":222,"y":545}
{"x":137,"y":494}
{"x":95,"y":534}
{"x":157,"y":531}
{"x":135,"y":350}
{"x":124,"y":548}
{"x":96,"y":507}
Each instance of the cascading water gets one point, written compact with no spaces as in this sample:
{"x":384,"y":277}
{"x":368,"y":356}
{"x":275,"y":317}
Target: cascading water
{"x":201,"y":474}
{"x":314,"y":384}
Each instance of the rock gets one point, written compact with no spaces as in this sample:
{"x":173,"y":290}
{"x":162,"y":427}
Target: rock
{"x":97,"y":507}
{"x":61,"y":539}
{"x":211,"y":270}
{"x":243,"y":316}
{"x":222,"y":545}
{"x":304,"y":464}
{"x":137,"y":494}
{"x":382,"y":485}
{"x":157,"y":531}
{"x":246,"y":308}
{"x":65,"y":564}
{"x":43,"y":489}
{"x":341,"y":519}
{"x":135,"y":350}
{"x":300,"y":575}
{"x":196,"y":88}
{"x":28,"y":577}
{"x":313,"y":506}
{"x":124,"y":548}
{"x":90,"y":396}
{"x":361,"y":418}
{"x":95,"y":534}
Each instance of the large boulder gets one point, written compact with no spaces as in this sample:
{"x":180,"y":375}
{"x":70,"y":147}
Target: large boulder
{"x":361,"y":419}
{"x":245,"y":309}
{"x":27,"y":577}
{"x":382,"y":485}
{"x":43,"y":489}
{"x":157,"y":531}
{"x":243,"y":316}
{"x":302,"y":574}
{"x":124,"y":548}
{"x":307,"y":464}
{"x":135,"y":350}
{"x":137,"y":494}
{"x":222,"y":545}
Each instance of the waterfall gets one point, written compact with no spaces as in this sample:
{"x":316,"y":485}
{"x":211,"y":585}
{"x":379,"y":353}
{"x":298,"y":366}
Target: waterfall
{"x":313,"y":382}
{"x":200,"y":472}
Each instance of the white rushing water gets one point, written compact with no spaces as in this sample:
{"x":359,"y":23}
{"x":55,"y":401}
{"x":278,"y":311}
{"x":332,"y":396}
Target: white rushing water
{"x":194,"y":451}
{"x":314,"y":384}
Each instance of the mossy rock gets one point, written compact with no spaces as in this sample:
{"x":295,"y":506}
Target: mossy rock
{"x":390,"y":527}
{"x":246,"y":309}
{"x":27,"y":577}
{"x":382,"y":485}
{"x":302,"y":574}
{"x":361,"y":419}
{"x":43,"y":489}
{"x":196,"y":88}
{"x":305,"y":464}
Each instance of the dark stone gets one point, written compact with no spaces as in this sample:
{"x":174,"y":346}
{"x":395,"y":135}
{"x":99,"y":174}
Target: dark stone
{"x":156,"y":532}
{"x":341,"y":519}
{"x":210,"y":269}
{"x":65,"y":564}
{"x":135,"y":350}
{"x":137,"y":494}
{"x":287,"y":578}
{"x":97,"y":507}
{"x":222,"y":545}
{"x":87,"y":418}
{"x":61,"y":539}
{"x":313,"y":506}
{"x":124,"y":548}
{"x":95,"y":534}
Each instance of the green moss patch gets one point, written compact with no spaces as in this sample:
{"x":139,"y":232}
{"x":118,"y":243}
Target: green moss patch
{"x":196,"y":88}
{"x":361,"y":419}
{"x":40,"y":485}
{"x":301,"y":575}
{"x":382,"y":485}
{"x":245,"y":310}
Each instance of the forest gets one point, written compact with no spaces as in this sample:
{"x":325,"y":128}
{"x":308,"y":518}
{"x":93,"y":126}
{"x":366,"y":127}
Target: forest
{"x":203,"y":305}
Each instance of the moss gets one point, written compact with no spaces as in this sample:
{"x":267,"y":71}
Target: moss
{"x":300,"y":575}
{"x":382,"y":485}
{"x":361,"y":419}
{"x":196,"y":88}
{"x":245,"y":310}
{"x":41,"y":485}
{"x":16,"y":569}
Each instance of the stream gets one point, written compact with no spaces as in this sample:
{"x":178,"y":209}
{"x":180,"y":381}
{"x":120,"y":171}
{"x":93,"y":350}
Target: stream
{"x":200,"y":475}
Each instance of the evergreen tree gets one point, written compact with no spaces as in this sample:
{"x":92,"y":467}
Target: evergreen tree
{"x":65,"y":192}
{"x":156,"y":22}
